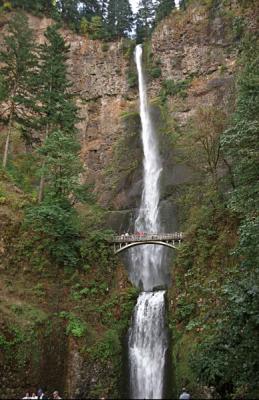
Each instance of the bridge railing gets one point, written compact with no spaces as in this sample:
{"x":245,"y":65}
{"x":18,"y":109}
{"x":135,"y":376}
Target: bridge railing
{"x":142,"y":237}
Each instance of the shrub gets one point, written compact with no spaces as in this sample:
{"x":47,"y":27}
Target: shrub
{"x":132,"y":77}
{"x":155,"y":72}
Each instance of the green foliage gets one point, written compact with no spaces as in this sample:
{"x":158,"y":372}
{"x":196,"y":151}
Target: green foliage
{"x":23,"y":170}
{"x":17,"y":77}
{"x":55,"y":226}
{"x":163,"y":9}
{"x":108,"y":347}
{"x":84,"y":26}
{"x":238,"y":27}
{"x":155,"y":72}
{"x":96,"y":250}
{"x":61,"y":164}
{"x":132,"y":78}
{"x":119,"y":18}
{"x":172,"y":88}
{"x":233,"y":340}
{"x":144,"y":20}
{"x":7,"y":6}
{"x":128,"y":48}
{"x":94,"y":28}
{"x":75,"y":326}
{"x":54,"y":221}
{"x":55,"y":105}
{"x":34,"y":6}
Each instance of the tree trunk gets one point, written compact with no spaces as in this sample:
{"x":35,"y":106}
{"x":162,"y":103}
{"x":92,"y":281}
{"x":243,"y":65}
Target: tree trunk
{"x":41,"y":188}
{"x":42,"y":179}
{"x":8,"y":137}
{"x":6,"y":150}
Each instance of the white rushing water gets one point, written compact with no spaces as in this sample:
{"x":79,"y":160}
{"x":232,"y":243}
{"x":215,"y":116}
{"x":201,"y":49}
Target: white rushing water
{"x":146,"y":260}
{"x":148,"y":334}
{"x":147,"y":346}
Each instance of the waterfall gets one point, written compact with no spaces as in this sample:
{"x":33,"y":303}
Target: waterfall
{"x":147,"y":346}
{"x":146,"y":260}
{"x":147,"y":336}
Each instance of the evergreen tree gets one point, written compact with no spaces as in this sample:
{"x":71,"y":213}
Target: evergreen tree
{"x":55,"y":105}
{"x":91,"y":8}
{"x":119,"y":18}
{"x":16,"y":76}
{"x":163,"y":9}
{"x":54,"y":220}
{"x":62,"y":164}
{"x":144,"y":19}
{"x":183,"y":4}
{"x":34,"y":5}
{"x":69,"y":10}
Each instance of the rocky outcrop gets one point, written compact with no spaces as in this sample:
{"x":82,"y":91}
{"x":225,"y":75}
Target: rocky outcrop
{"x":196,"y":46}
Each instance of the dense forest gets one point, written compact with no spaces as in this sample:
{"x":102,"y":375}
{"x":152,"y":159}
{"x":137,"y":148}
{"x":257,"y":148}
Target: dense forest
{"x":54,"y":228}
{"x":99,"y":19}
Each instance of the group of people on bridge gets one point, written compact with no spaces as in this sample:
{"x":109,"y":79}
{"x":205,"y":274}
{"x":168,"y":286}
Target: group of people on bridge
{"x":127,"y":234}
{"x":42,"y":395}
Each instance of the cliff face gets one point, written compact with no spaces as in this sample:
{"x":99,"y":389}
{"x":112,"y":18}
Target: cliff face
{"x":197,"y":45}
{"x":99,"y":75}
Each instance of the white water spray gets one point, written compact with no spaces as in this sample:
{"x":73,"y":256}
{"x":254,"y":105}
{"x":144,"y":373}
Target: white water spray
{"x":148,"y":335}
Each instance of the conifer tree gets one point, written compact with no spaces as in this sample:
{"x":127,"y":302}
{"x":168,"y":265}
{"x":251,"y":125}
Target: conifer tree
{"x":163,"y":9}
{"x":34,"y":5}
{"x":55,"y":106}
{"x":54,"y":220}
{"x":144,"y":19}
{"x":119,"y":18}
{"x":91,"y":8}
{"x":69,"y":10}
{"x":17,"y":76}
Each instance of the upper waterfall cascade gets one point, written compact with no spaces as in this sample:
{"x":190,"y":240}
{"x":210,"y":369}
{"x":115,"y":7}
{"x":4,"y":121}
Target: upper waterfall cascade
{"x":147,"y":259}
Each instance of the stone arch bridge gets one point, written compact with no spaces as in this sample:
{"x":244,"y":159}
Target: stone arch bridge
{"x":126,"y":241}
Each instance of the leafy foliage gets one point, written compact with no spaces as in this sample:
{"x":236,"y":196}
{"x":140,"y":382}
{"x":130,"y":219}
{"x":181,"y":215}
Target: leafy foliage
{"x":234,"y":342}
{"x":56,"y":227}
